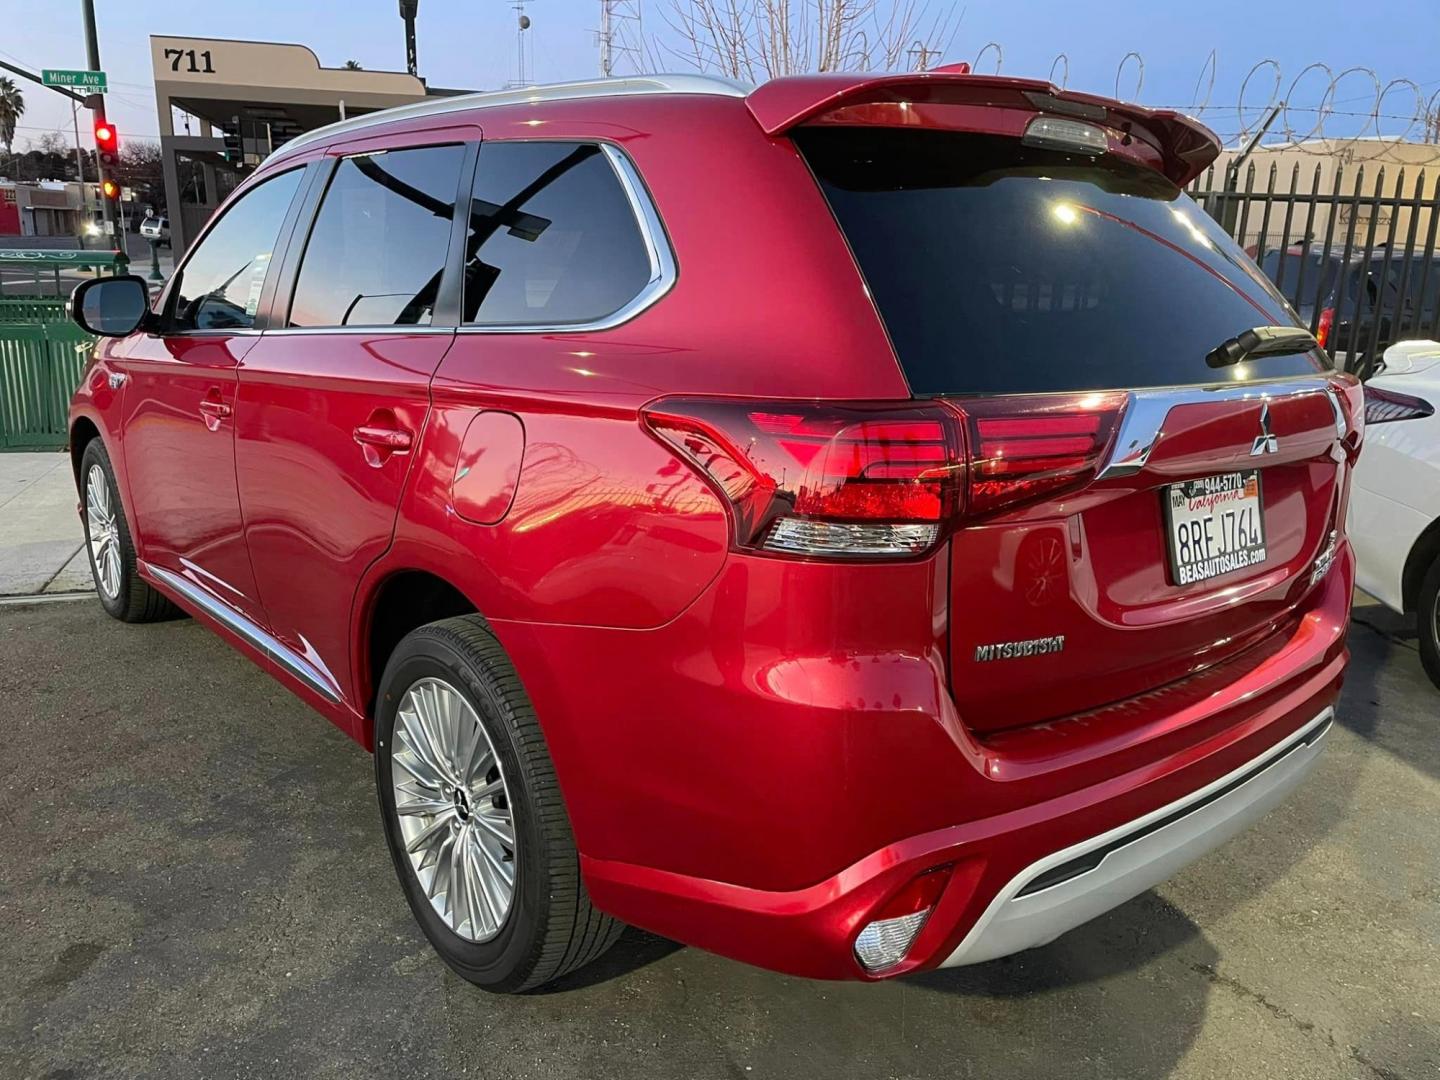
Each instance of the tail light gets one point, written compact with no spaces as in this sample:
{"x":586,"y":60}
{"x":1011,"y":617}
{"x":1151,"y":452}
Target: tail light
{"x":1323,"y":327}
{"x":1383,"y":406}
{"x":1029,"y":448}
{"x":839,"y":480}
{"x":884,"y":941}
{"x":881,"y":480}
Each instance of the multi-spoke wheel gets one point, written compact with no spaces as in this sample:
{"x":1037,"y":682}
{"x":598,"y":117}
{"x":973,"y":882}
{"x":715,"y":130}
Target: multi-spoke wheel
{"x":108,"y":542}
{"x":104,"y":536}
{"x":454,"y":809}
{"x":473,"y":813}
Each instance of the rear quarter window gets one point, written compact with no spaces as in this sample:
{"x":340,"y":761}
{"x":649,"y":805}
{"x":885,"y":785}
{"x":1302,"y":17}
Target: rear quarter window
{"x":1000,"y":268}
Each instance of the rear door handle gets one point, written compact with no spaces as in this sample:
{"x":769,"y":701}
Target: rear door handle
{"x":213,"y":411}
{"x":380,"y":440}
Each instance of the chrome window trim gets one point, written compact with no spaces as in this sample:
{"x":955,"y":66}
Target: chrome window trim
{"x":237,"y":623}
{"x":663,"y":270}
{"x":1146,"y":411}
{"x":568,"y":91}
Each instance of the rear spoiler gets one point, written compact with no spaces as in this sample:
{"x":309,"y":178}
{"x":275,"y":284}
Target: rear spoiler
{"x":1186,"y":147}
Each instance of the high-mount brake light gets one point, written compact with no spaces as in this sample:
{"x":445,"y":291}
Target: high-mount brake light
{"x":840,"y":481}
{"x":1071,"y":136}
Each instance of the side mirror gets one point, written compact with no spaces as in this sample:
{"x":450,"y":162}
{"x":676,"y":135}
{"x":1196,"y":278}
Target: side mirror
{"x":110,"y":307}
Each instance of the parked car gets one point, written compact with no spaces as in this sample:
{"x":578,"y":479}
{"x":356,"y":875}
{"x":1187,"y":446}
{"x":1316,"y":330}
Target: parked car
{"x":1395,"y":507}
{"x":881,"y":541}
{"x":157,"y":230}
{"x":1399,"y":291}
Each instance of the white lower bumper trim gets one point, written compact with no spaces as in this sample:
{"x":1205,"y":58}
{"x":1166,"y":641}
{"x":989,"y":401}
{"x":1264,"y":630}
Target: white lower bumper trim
{"x":1164,"y":841}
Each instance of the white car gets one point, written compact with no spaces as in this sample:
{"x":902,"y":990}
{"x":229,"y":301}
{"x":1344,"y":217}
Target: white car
{"x":156,"y":229}
{"x":1394,"y":520}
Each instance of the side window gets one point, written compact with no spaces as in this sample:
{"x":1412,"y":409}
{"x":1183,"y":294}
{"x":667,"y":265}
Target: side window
{"x":378,"y":246}
{"x":553,"y":239}
{"x":219,"y":285}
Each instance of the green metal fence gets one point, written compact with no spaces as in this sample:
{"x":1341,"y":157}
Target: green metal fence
{"x":42,"y":352}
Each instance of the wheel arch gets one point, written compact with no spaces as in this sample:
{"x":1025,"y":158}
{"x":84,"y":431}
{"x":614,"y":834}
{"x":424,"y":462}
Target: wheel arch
{"x":403,"y":600}
{"x":83,"y":431}
{"x":1423,"y":553}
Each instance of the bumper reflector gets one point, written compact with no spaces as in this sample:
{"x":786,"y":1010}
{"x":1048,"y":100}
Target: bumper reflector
{"x":884,"y":943}
{"x":885,"y":940}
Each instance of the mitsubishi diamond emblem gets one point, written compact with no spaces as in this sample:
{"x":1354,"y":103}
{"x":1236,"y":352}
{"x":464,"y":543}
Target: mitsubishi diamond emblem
{"x":1264,"y":443}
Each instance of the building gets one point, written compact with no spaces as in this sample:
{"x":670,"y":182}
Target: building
{"x":1395,"y":183}
{"x":264,"y":93}
{"x":54,"y":213}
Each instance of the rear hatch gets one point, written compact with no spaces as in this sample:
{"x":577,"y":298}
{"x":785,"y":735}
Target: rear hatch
{"x":1134,"y":514}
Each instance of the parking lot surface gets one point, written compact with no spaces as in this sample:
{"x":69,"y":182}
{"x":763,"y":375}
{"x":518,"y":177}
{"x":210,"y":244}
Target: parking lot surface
{"x":193,"y":884}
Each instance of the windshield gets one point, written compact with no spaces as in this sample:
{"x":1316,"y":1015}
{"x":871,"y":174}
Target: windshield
{"x":1000,"y":268}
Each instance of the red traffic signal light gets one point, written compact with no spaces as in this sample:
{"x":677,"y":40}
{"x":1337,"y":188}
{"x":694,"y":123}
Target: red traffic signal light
{"x":107,"y":143}
{"x":110,"y":189}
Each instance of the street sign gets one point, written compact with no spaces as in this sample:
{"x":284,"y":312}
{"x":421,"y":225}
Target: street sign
{"x":94,"y":81}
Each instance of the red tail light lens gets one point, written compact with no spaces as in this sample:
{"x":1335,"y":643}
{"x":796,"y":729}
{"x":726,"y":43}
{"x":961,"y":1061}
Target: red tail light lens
{"x":1384,"y":406}
{"x":829,"y":480}
{"x":1023,"y":449}
{"x":882,"y":480}
{"x":1322,"y":328}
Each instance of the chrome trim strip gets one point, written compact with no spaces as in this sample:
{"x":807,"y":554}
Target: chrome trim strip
{"x":663,"y":272}
{"x":391,"y":330}
{"x":1012,"y":922}
{"x":570,"y":91}
{"x":1145,"y":414}
{"x":260,"y":639}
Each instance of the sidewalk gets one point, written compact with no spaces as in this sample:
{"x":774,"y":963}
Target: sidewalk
{"x":41,"y":540}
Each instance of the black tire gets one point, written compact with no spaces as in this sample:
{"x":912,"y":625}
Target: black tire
{"x":1427,"y":622}
{"x":134,"y":601}
{"x":551,"y":927}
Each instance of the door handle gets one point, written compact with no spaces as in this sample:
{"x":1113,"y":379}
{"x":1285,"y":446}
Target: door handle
{"x":212,"y":412}
{"x":379,"y":441}
{"x":395,"y":440}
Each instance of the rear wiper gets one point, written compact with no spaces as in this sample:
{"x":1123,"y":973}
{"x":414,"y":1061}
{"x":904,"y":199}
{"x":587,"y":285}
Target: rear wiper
{"x":1261,"y":341}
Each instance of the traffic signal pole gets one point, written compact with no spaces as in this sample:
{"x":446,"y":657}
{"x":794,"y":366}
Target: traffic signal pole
{"x":92,"y":51}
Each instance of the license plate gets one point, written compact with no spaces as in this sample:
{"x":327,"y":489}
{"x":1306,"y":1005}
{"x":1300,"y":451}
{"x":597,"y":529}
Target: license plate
{"x":1215,"y":525}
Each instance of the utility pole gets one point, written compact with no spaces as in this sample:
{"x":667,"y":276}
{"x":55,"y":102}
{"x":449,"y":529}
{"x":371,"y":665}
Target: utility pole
{"x":79,"y":160}
{"x":92,"y":52}
{"x":409,"y":9}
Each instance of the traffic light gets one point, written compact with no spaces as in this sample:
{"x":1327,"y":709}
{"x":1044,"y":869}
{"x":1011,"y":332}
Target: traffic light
{"x":110,"y":189}
{"x":234,"y":150}
{"x":107,"y":143}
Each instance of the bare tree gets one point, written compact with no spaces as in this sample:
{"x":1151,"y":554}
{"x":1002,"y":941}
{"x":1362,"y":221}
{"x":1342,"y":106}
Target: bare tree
{"x":761,"y":39}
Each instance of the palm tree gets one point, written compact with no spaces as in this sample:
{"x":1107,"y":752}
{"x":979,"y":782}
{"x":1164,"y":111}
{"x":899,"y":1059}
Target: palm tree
{"x":353,"y":65}
{"x":12,"y":107}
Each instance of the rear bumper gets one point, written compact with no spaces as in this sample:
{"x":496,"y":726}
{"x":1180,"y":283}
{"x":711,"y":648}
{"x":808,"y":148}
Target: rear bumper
{"x":1072,"y":886}
{"x":789,"y":800}
{"x":986,"y":910}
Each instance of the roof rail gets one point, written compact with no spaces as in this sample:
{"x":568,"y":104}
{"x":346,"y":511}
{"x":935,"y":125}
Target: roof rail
{"x":592,"y":88}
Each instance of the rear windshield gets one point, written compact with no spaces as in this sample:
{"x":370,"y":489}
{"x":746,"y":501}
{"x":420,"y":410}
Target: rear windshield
{"x":999,"y":268}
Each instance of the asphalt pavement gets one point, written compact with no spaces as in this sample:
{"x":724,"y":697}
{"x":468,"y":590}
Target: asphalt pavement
{"x":193,"y":884}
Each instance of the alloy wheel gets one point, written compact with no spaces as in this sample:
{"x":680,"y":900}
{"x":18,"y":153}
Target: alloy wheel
{"x":453,"y":809}
{"x":103,"y":531}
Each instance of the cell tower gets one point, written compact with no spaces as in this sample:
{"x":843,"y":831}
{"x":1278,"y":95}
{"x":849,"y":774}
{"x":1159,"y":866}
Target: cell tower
{"x":619,"y":35}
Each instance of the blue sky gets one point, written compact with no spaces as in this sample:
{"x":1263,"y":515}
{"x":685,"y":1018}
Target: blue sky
{"x":471,"y":43}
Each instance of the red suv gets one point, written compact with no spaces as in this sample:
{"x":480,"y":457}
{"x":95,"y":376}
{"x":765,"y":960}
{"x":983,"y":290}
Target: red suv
{"x":857,"y":525}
